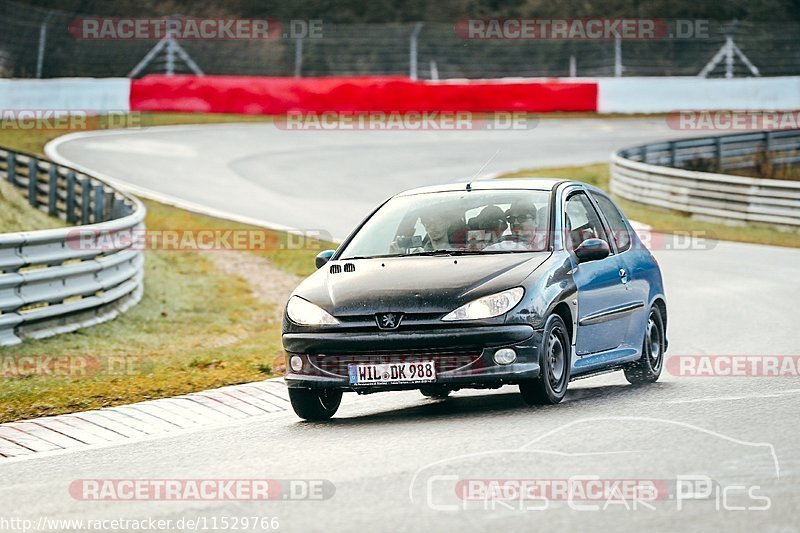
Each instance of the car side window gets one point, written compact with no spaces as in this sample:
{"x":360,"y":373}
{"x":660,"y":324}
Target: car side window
{"x":582,"y":221}
{"x":618,"y":227}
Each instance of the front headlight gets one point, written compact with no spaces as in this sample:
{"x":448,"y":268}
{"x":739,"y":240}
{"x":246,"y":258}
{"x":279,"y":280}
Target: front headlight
{"x":307,"y":314}
{"x":488,"y":306}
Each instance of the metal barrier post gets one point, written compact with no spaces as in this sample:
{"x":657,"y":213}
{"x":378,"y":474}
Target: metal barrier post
{"x":86,"y":201}
{"x":768,"y":147}
{"x":11,"y":166}
{"x":70,"y":214}
{"x":298,"y":57}
{"x":99,"y":203}
{"x":33,"y":178}
{"x":52,"y":192}
{"x":412,"y":51}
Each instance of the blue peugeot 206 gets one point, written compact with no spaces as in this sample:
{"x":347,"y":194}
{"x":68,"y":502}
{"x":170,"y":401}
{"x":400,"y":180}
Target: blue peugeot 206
{"x":527,"y":282}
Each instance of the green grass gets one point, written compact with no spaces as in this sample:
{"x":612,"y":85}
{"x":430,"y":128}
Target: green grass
{"x":17,"y":215}
{"x":294,"y":260}
{"x":663,"y":220}
{"x":194,"y":329}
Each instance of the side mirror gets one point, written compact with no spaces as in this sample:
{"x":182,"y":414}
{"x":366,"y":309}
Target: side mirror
{"x":323,"y":257}
{"x":592,"y":250}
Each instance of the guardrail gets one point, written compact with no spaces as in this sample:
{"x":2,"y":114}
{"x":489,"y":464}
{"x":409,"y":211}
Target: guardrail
{"x":689,"y":176}
{"x":49,"y":282}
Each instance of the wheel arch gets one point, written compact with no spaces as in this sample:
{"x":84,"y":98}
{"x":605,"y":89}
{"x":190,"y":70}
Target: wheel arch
{"x":562,"y":309}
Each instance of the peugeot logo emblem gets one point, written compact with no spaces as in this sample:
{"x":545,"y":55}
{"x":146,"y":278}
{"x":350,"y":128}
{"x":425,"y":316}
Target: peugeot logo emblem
{"x":388,"y":320}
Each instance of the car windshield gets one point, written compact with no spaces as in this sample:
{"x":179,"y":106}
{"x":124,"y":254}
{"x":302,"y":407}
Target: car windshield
{"x":455,"y":222}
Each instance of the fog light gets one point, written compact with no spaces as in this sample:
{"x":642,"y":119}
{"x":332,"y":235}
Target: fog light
{"x":296,"y":362}
{"x":505,"y":356}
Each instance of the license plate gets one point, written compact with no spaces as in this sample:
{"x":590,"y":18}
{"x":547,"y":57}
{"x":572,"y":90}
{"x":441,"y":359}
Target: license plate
{"x":379,"y":374}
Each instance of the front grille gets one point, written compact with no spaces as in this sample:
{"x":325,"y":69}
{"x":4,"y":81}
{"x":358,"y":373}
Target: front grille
{"x":337,"y":364}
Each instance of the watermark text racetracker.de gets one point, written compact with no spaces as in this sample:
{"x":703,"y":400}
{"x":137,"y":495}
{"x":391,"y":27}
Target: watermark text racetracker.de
{"x":67,"y":119}
{"x":691,"y":120}
{"x":405,"y":121}
{"x":14,"y":366}
{"x":188,"y":28}
{"x":88,"y":239}
{"x":733,"y":366}
{"x":582,"y":29}
{"x":99,"y":240}
{"x":593,"y":493}
{"x":181,"y":490}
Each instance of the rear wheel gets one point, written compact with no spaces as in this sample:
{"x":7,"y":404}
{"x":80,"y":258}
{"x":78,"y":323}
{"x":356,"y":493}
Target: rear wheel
{"x":554,"y":363}
{"x":436,"y":392}
{"x":315,"y":404}
{"x":648,"y":368}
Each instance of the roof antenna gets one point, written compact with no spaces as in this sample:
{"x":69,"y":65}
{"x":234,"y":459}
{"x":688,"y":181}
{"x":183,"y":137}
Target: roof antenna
{"x":469,"y":186}
{"x":483,"y":167}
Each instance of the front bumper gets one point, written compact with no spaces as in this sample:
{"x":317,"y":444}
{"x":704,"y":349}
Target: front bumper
{"x":463,"y":356}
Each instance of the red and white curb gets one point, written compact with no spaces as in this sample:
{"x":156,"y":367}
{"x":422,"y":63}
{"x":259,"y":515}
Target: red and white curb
{"x":143,"y":420}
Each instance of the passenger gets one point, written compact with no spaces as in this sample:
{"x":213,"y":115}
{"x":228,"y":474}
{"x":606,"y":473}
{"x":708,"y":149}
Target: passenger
{"x":522,"y":221}
{"x":487,"y":228}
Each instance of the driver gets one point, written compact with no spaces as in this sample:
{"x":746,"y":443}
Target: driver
{"x":444,"y":230}
{"x":436,"y":224}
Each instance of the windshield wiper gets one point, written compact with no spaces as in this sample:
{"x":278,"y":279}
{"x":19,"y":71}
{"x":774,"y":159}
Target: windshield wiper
{"x":366,"y":257}
{"x":444,"y":252}
{"x":438,"y":253}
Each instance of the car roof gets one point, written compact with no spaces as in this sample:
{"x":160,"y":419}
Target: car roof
{"x":537,"y":184}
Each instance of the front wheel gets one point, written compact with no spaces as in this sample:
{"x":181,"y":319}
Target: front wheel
{"x":648,"y":368}
{"x":315,"y":404}
{"x":554,"y":364}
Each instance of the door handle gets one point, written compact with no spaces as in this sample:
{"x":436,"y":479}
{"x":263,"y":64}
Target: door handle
{"x":623,"y":275}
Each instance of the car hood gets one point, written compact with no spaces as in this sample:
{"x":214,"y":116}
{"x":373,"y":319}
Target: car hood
{"x":428,"y":284}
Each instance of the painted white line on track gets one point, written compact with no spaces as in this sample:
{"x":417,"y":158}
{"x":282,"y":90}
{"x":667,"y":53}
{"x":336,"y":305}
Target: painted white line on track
{"x":781,"y":394}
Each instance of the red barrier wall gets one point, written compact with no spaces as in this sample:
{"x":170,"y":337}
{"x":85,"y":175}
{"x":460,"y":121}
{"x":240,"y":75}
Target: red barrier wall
{"x":268,"y":96}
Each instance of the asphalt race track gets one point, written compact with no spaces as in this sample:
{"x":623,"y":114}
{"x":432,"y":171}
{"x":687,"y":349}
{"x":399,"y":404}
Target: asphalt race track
{"x":329,"y":180}
{"x":396,"y":460}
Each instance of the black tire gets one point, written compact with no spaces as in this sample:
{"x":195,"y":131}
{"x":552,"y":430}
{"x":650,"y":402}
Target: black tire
{"x":554,"y":361}
{"x":437,"y":392}
{"x":315,"y":404}
{"x":648,"y":368}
